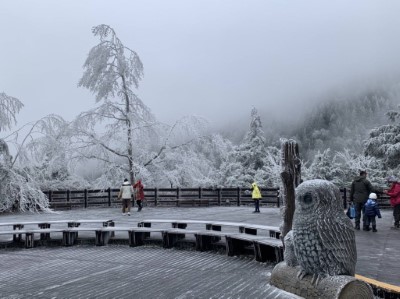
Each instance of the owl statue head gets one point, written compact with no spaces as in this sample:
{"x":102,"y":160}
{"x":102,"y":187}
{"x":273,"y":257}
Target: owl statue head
{"x":317,"y":195}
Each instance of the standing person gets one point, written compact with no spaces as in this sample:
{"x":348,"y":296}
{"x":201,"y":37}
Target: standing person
{"x":360,"y":190}
{"x":139,"y":194}
{"x":371,"y":211}
{"x":394,"y":193}
{"x":256,"y":196}
{"x":126,"y":193}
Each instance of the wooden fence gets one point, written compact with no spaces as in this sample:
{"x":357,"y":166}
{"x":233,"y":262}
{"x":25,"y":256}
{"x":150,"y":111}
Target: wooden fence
{"x":68,"y":199}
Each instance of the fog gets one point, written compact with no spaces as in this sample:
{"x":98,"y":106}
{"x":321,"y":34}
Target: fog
{"x":215,"y":59}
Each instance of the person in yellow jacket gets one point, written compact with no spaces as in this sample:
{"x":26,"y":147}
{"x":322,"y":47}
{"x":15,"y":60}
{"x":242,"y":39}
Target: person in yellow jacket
{"x":256,"y":196}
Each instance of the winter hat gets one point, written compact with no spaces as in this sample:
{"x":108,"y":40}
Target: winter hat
{"x":373,"y":196}
{"x":391,"y":179}
{"x":125,"y":180}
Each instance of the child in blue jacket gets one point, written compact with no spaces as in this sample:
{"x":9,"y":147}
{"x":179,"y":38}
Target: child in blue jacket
{"x":371,"y":210}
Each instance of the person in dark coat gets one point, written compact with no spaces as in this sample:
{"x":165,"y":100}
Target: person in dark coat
{"x":360,"y":190}
{"x":139,"y":194}
{"x":371,"y":210}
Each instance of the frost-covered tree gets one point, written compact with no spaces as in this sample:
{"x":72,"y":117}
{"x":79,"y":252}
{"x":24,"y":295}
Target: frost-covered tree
{"x":9,"y":107}
{"x":352,"y":163}
{"x":246,"y":162}
{"x":272,"y":167}
{"x":384,"y":142}
{"x":46,"y":154}
{"x":195,"y":163}
{"x":324,"y":166}
{"x":17,"y":191}
{"x":121,"y":133}
{"x":112,"y":71}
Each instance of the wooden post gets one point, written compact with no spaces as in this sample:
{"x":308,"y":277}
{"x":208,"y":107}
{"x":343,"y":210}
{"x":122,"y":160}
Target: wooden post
{"x":109,"y":196}
{"x":155,"y":196}
{"x":278,"y":202}
{"x":238,"y":196}
{"x":219,"y":195}
{"x":177,"y":192}
{"x":290,"y":175}
{"x":68,"y":199}
{"x":200,"y":193}
{"x":50,"y":195}
{"x":85,"y":194}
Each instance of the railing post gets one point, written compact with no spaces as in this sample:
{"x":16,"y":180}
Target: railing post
{"x":200,"y":193}
{"x":68,"y":198}
{"x":278,"y":199}
{"x":155,"y":196}
{"x":238,"y":196}
{"x":85,"y":194}
{"x":219,"y":196}
{"x":50,"y":195}
{"x":177,"y":192}
{"x":109,"y":196}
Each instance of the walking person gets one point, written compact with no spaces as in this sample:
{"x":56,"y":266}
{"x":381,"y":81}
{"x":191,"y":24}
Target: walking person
{"x":360,"y":190}
{"x":371,"y":210}
{"x":394,"y":193}
{"x":139,"y":193}
{"x":126,"y":194}
{"x":256,"y":196}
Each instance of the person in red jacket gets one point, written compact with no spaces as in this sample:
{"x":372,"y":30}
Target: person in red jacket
{"x":139,"y":194}
{"x":394,"y":193}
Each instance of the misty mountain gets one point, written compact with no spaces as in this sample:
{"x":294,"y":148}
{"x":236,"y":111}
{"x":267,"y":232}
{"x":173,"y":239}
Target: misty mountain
{"x":342,"y":124}
{"x":336,"y":123}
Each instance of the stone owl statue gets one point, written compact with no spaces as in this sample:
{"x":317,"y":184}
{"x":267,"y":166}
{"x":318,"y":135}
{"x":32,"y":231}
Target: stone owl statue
{"x":322,"y":235}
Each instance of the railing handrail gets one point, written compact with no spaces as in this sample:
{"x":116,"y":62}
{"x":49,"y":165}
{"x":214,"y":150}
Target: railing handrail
{"x":216,"y":195}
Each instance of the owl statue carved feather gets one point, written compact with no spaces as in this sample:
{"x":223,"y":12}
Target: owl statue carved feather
{"x":322,"y":235}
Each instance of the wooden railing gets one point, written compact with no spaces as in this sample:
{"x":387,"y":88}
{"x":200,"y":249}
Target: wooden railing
{"x":62,"y":199}
{"x":68,"y":199}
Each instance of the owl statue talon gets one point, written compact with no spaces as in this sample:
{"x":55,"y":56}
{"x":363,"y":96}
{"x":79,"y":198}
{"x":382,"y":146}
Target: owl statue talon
{"x":301,"y":274}
{"x":317,"y":279}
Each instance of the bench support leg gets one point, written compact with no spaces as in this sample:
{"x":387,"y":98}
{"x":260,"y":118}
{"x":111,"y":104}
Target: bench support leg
{"x":136,"y":238}
{"x":17,"y":238}
{"x":102,"y":237}
{"x":266,"y":253}
{"x":68,"y":238}
{"x":169,"y":239}
{"x":204,"y":242}
{"x":29,"y":240}
{"x":234,"y":246}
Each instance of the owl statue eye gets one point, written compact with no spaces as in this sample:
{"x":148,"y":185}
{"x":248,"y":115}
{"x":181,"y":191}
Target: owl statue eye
{"x":307,"y":198}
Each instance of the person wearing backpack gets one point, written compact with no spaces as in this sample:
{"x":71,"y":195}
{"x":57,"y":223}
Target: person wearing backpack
{"x":360,"y":190}
{"x":371,"y":210}
{"x":126,"y":193}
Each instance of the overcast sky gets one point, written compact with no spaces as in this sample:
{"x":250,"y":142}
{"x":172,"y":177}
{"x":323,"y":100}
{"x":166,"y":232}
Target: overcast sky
{"x":212,"y":58}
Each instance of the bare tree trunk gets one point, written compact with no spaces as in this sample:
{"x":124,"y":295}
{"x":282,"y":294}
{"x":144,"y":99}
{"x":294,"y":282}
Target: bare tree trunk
{"x":291,"y":176}
{"x":129,"y":132}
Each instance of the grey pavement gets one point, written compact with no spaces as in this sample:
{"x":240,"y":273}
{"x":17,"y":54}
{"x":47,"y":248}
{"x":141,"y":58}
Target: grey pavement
{"x":119,"y":271}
